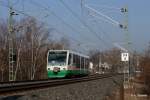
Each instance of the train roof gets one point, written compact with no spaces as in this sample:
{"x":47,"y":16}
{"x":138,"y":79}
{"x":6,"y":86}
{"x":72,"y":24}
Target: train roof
{"x":73,"y":52}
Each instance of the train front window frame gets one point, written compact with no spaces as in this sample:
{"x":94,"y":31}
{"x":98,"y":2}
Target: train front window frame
{"x":57,"y":58}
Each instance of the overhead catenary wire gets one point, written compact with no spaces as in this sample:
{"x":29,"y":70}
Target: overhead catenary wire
{"x":102,"y":19}
{"x":79,"y":43}
{"x":90,"y":29}
{"x":104,"y":32}
{"x":105,"y":6}
{"x":26,"y":14}
{"x":48,"y":9}
{"x":101,"y":14}
{"x":21,"y":12}
{"x":75,"y":40}
{"x":100,"y":27}
{"x":54,"y":14}
{"x":83,"y":22}
{"x":109,"y":19}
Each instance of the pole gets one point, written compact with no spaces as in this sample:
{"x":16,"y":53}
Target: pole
{"x":127,"y":38}
{"x":128,"y":44}
{"x":11,"y":50}
{"x":12,"y":54}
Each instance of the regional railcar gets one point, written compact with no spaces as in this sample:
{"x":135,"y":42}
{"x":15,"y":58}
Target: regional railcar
{"x":66,"y":63}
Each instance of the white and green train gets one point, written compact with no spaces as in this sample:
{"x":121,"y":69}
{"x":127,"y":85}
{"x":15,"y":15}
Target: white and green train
{"x":66,"y":63}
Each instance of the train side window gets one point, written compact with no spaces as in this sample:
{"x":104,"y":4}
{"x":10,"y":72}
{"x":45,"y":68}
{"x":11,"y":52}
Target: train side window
{"x":70,"y":59}
{"x":86,"y":63}
{"x":74,"y":60}
{"x":78,"y":62}
{"x":82,"y":62}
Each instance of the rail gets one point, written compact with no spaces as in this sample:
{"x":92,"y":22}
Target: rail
{"x":14,"y":88}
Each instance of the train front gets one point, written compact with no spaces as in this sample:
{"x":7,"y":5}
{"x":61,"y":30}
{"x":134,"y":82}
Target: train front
{"x":57,"y":64}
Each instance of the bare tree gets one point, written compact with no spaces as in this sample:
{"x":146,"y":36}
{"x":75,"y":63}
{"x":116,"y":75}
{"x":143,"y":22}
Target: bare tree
{"x":3,"y":50}
{"x":145,"y":64}
{"x":32,"y":41}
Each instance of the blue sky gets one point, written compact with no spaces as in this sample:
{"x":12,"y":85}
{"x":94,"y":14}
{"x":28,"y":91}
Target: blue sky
{"x":105,"y":34}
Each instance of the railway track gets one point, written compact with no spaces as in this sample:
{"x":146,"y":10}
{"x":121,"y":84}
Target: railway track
{"x":14,"y":88}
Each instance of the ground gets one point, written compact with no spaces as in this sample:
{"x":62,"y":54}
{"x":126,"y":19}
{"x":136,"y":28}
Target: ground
{"x":133,"y":90}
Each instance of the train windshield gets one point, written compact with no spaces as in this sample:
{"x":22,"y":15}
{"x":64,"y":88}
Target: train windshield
{"x":57,"y":58}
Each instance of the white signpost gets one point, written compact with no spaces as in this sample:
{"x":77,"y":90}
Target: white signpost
{"x":124,"y":56}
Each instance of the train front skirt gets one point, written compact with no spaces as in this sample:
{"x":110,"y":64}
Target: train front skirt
{"x":66,"y":73}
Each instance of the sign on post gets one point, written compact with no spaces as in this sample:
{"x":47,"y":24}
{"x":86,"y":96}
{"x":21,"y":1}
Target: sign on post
{"x":124,"y":56}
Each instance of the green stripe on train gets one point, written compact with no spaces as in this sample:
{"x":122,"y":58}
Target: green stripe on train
{"x":64,"y":73}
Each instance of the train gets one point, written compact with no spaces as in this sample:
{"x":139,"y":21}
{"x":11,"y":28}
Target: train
{"x":66,"y":63}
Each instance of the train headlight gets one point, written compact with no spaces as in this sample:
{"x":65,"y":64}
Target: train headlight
{"x":64,"y":68}
{"x":48,"y":69}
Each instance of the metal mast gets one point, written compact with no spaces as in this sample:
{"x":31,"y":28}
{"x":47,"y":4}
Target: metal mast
{"x":11,"y":43}
{"x":127,"y":40}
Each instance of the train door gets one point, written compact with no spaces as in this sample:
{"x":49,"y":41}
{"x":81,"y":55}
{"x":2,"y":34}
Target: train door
{"x":70,"y":59}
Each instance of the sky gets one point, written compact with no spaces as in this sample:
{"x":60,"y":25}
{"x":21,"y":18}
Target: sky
{"x":85,"y":31}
